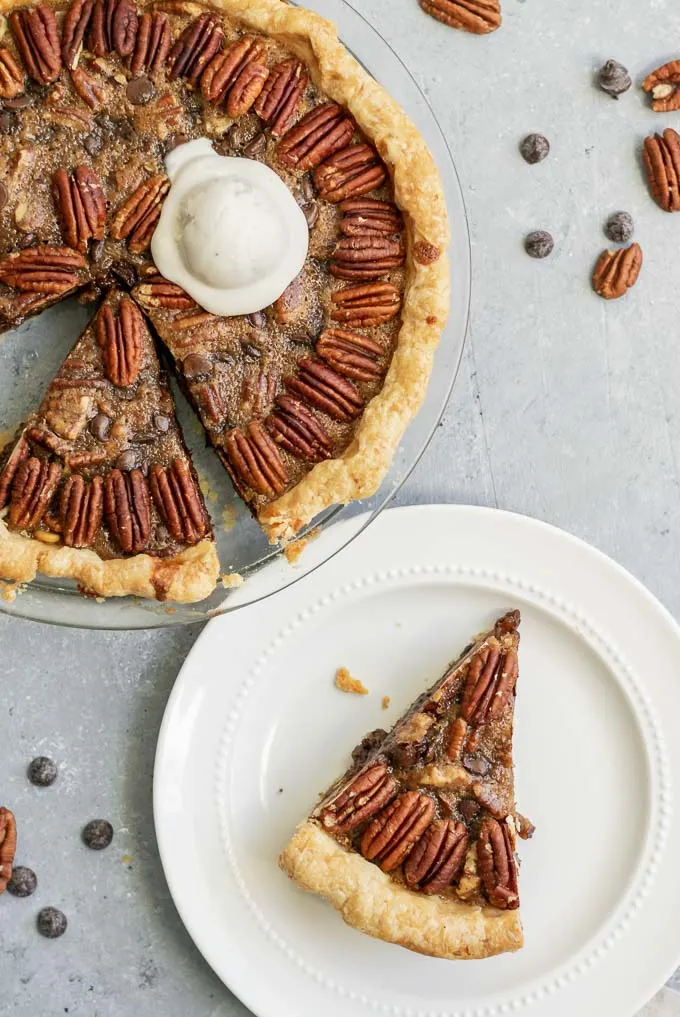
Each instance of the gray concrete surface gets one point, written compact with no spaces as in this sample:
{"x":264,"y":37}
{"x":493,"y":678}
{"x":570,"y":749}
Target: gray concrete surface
{"x":566,"y":409}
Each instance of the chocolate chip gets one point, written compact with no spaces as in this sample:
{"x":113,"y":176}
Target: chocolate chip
{"x":258,"y":319}
{"x":161,"y":422}
{"x":479,"y":765}
{"x":539,"y":244}
{"x":368,"y":744}
{"x":469,"y":809}
{"x":4,"y":195}
{"x":126,"y":272}
{"x":18,"y":102}
{"x":256,"y":147}
{"x":308,"y":189}
{"x":52,"y":923}
{"x":100,"y":426}
{"x":140,"y":90}
{"x":23,"y":882}
{"x":174,"y":141}
{"x":310,"y":210}
{"x":535,"y":148}
{"x":233,"y":138}
{"x":620,"y":227}
{"x":42,"y":771}
{"x":98,"y":834}
{"x":126,"y":461}
{"x":251,"y":352}
{"x":124,"y":129}
{"x":196,"y":365}
{"x":9,"y":122}
{"x":614,"y":79}
{"x":93,"y":143}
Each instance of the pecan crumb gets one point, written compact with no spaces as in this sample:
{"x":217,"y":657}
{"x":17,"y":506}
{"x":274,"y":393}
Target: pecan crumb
{"x":345,"y":682}
{"x":386,"y":702}
{"x":293,"y":550}
{"x":231,"y":580}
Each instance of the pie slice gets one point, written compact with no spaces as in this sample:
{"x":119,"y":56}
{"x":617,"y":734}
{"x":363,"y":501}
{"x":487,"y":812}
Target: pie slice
{"x":98,"y":485}
{"x":415,"y":844}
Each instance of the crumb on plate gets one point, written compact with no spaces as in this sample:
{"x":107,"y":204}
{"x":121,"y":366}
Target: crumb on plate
{"x":345,"y":682}
{"x":386,"y":702}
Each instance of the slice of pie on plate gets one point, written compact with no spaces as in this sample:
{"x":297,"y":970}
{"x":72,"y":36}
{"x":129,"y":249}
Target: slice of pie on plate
{"x":98,"y":485}
{"x":415,"y":844}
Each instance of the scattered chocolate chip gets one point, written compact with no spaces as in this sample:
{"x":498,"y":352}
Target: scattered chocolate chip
{"x":614,"y":79}
{"x":308,"y":189}
{"x":161,"y":422}
{"x":42,"y":771}
{"x":196,"y":365}
{"x":52,"y":923}
{"x":9,"y":122}
{"x":174,"y":141}
{"x":535,"y":148}
{"x":100,"y":426}
{"x":23,"y":882}
{"x":124,"y":129}
{"x":620,"y":227}
{"x":469,"y":809}
{"x":233,"y":137}
{"x":18,"y":102}
{"x":98,"y":834}
{"x":126,"y":272}
{"x":4,"y":195}
{"x":368,"y":744}
{"x":251,"y":352}
{"x":93,"y":143}
{"x":126,"y":461}
{"x":140,"y":90}
{"x":478,"y":765}
{"x":256,"y":147}
{"x":258,"y":319}
{"x":539,"y":244}
{"x":310,"y":211}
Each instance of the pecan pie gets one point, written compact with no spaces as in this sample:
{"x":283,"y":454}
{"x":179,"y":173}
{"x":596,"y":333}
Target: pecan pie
{"x":415,"y":844}
{"x":305,"y":400}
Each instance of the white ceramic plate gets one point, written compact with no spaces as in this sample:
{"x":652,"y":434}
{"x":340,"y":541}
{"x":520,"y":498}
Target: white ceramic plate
{"x":255,"y":729}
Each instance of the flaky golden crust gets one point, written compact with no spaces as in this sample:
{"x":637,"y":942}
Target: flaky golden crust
{"x":185,"y":578}
{"x":369,"y":900}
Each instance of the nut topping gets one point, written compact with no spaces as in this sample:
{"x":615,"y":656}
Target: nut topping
{"x":455,"y":739}
{"x":617,"y":271}
{"x":128,"y":509}
{"x":113,"y":26}
{"x":152,"y":44}
{"x":296,"y":429}
{"x":49,"y":270}
{"x":366,"y":257}
{"x":195,"y":48}
{"x":35,"y":482}
{"x":476,"y":16}
{"x":90,"y":89}
{"x":496,"y":864}
{"x":11,"y":75}
{"x":366,"y":305}
{"x":178,"y":501}
{"x":321,"y":132}
{"x":661,"y":157}
{"x":366,"y":795}
{"x":350,"y":353}
{"x":81,"y":206}
{"x":136,"y":220}
{"x":438,"y":857}
{"x":37,"y":41}
{"x":491,"y":679}
{"x":237,"y":74}
{"x":159,"y":292}
{"x":322,"y":387}
{"x":390,"y":837}
{"x":354,"y":171}
{"x":370,"y":218}
{"x":80,"y":510}
{"x":8,"y":846}
{"x":120,"y":340}
{"x":19,"y":453}
{"x":255,"y":459}
{"x":76,"y":24}
{"x":278,"y":101}
{"x":664,"y":86}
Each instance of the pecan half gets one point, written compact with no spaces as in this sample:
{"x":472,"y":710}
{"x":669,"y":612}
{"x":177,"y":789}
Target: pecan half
{"x":211,"y":403}
{"x":278,"y":101}
{"x":664,"y":86}
{"x":295,"y":428}
{"x":367,"y":217}
{"x":19,"y":453}
{"x":75,"y":25}
{"x":322,"y":387}
{"x":438,"y":857}
{"x":37,"y":40}
{"x":120,"y":340}
{"x":158,"y":292}
{"x":366,"y":305}
{"x":455,"y":738}
{"x":195,"y":48}
{"x":476,"y":16}
{"x":321,"y":132}
{"x":350,"y":353}
{"x":390,"y":837}
{"x":81,"y":206}
{"x":80,"y":510}
{"x":113,"y":26}
{"x":661,"y":157}
{"x":237,"y":74}
{"x":49,"y":270}
{"x":11,"y":75}
{"x":152,"y":45}
{"x":289,"y":304}
{"x":136,"y":220}
{"x":352,"y":172}
{"x":35,"y":482}
{"x":8,"y":846}
{"x":617,"y":271}
{"x":367,"y":794}
{"x":491,"y":680}
{"x":176,"y":495}
{"x":127,"y":507}
{"x":90,"y":89}
{"x":257,"y":391}
{"x":366,"y":257}
{"x":496,"y":864}
{"x":254,"y":457}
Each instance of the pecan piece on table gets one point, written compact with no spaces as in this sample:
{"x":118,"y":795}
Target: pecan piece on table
{"x":322,"y":387}
{"x":90,"y":89}
{"x":254,"y":457}
{"x":33,"y":488}
{"x":350,"y":353}
{"x":37,"y":40}
{"x":174,"y":490}
{"x":48,"y":270}
{"x":113,"y":27}
{"x":372,"y":789}
{"x":8,"y":845}
{"x":491,"y":680}
{"x":11,"y":75}
{"x":390,"y":837}
{"x":152,"y":45}
{"x":476,"y":16}
{"x":278,"y":101}
{"x":664,"y":86}
{"x":366,"y":305}
{"x":497,"y":865}
{"x":81,"y":206}
{"x":617,"y":271}
{"x":366,"y":258}
{"x":195,"y":48}
{"x":127,"y":508}
{"x":236,"y":74}
{"x":661,"y":157}
{"x":19,"y":453}
{"x":321,"y":132}
{"x":350,"y":173}
{"x":75,"y":25}
{"x":158,"y":292}
{"x":438,"y":857}
{"x":368,"y":217}
{"x":137,"y":218}
{"x":120,"y":339}
{"x":295,"y":428}
{"x":81,"y":508}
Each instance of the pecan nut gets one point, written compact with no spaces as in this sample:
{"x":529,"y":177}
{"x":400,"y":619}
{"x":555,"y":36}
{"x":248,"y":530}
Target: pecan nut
{"x":366,"y":257}
{"x":48,"y":270}
{"x":254,"y":461}
{"x":159,"y":293}
{"x":19,"y":453}
{"x":237,"y":74}
{"x":11,"y":75}
{"x":617,"y":271}
{"x":476,"y":16}
{"x":321,"y":132}
{"x":73,"y":31}
{"x":278,"y":101}
{"x":438,"y":858}
{"x":322,"y":387}
{"x":367,"y":217}
{"x":8,"y":846}
{"x":664,"y":86}
{"x":120,"y":340}
{"x":37,"y":40}
{"x":152,"y":45}
{"x":80,"y":510}
{"x":366,"y":305}
{"x":136,"y":220}
{"x":246,"y":89}
{"x":455,"y":738}
{"x":127,"y":508}
{"x":113,"y":27}
{"x":295,"y":428}
{"x":350,"y":173}
{"x":33,"y":488}
{"x":350,"y":353}
{"x":661,"y":157}
{"x":210,"y":401}
{"x":195,"y":48}
{"x":290,"y":303}
{"x":175,"y":493}
{"x":91,"y":90}
{"x":491,"y":680}
{"x":369,"y":792}
{"x":258,"y":391}
{"x":81,"y":206}
{"x":391,"y":836}
{"x":497,"y":865}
